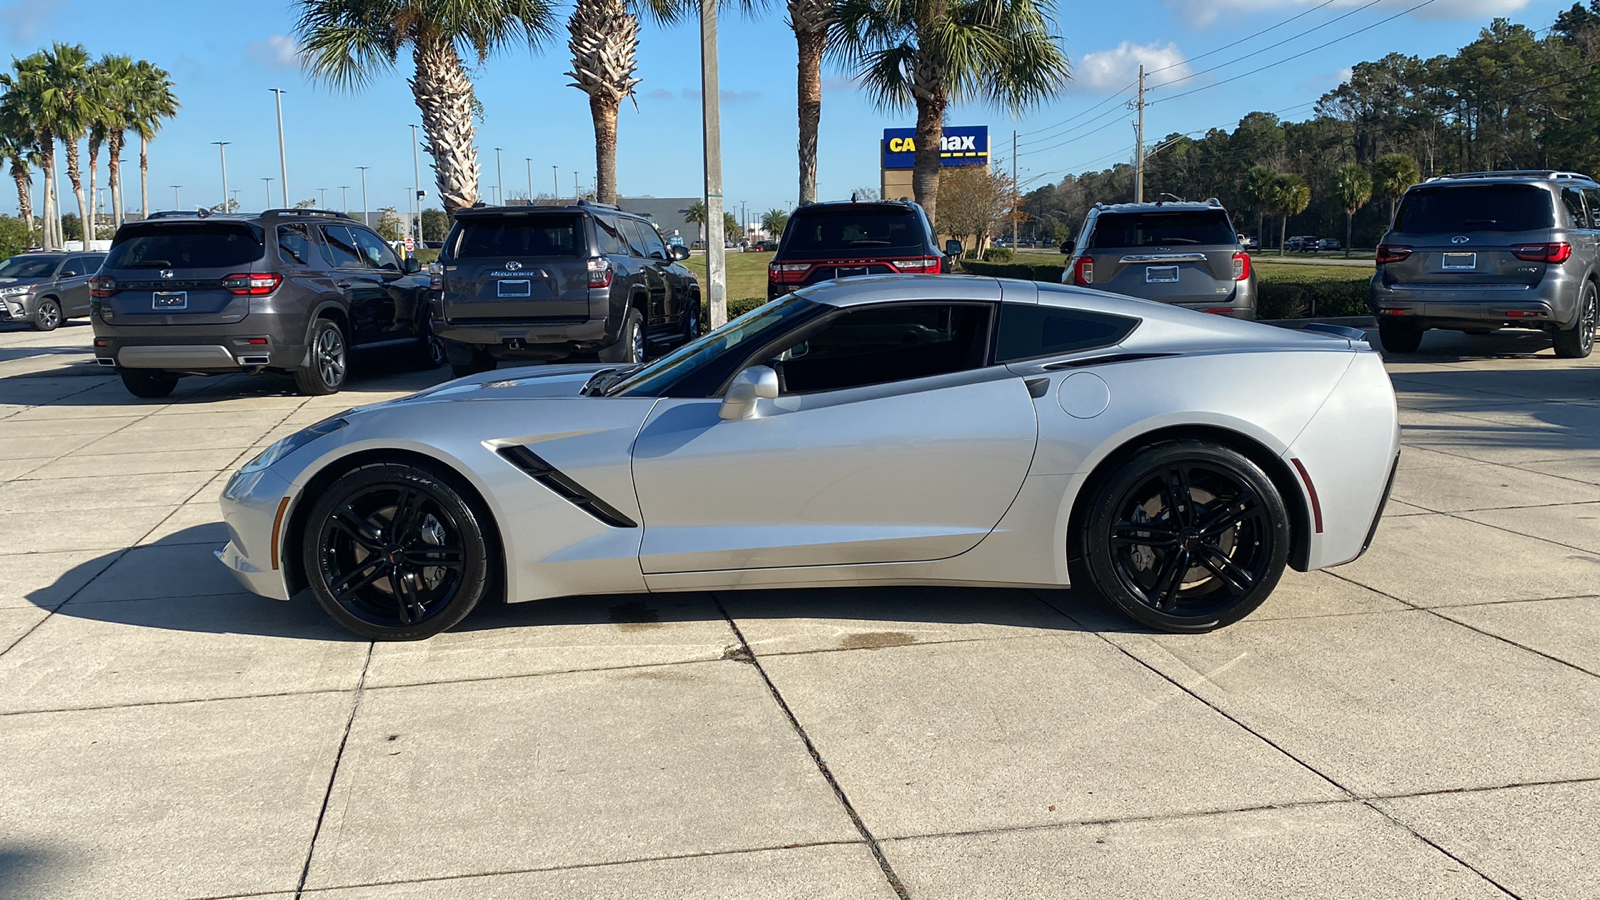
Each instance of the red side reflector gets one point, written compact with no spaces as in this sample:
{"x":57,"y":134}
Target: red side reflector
{"x":256,"y":341}
{"x":1393,"y":312}
{"x":101,"y":342}
{"x":1523,"y":314}
{"x":1311,"y":489}
{"x":1221,"y":311}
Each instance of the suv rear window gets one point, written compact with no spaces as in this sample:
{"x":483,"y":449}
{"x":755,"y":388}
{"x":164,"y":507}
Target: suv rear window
{"x":186,"y":245}
{"x":891,"y":229}
{"x":1162,"y":229}
{"x":1475,"y":207}
{"x":542,"y":235}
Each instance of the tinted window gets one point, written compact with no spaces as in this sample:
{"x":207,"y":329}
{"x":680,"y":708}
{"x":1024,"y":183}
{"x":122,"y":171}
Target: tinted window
{"x":375,"y":254}
{"x":512,"y":236}
{"x":294,"y":244}
{"x":186,"y":245}
{"x":631,"y":234}
{"x":1475,"y":207}
{"x":653,"y":247}
{"x":1162,"y":229}
{"x":1591,"y":196}
{"x":886,"y":343}
{"x":1574,"y":203}
{"x":342,"y":247}
{"x":80,"y":265}
{"x":880,"y":229}
{"x":699,"y":368}
{"x":29,"y":266}
{"x":1028,"y":331}
{"x":611,"y":241}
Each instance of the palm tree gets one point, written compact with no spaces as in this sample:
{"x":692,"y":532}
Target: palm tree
{"x":25,"y":87}
{"x":69,"y":104}
{"x":931,"y":53}
{"x":150,"y":100}
{"x":1352,"y":185}
{"x":772,"y":222}
{"x":1257,"y":190}
{"x":114,"y":78}
{"x":347,"y":42}
{"x":1393,"y":173}
{"x":1290,"y":197}
{"x":810,"y":20}
{"x":17,"y":147}
{"x":605,"y":46}
{"x":695,"y":214}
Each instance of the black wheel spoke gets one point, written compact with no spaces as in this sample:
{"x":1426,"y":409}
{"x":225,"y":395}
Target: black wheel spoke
{"x":1169,"y":579}
{"x":1223,"y":519}
{"x":1223,"y":566}
{"x":1180,"y":499}
{"x":360,"y":529}
{"x":363,"y":575}
{"x":441,"y":557}
{"x":1144,"y":534}
{"x":407,"y":511}
{"x":407,"y":602}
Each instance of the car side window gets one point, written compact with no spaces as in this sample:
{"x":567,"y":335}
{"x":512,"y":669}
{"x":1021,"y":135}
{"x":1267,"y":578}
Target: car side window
{"x":1029,"y":331}
{"x":375,"y":254}
{"x":72,"y":266}
{"x":612,"y":243}
{"x":881,"y":344}
{"x":630,"y":230}
{"x":1574,"y":202}
{"x":342,"y":247}
{"x":1591,"y":198}
{"x":654,"y":247}
{"x":294,"y":244}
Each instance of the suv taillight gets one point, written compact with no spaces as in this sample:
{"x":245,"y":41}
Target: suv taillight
{"x":435,"y":277}
{"x":787,"y":273}
{"x":1241,"y":266}
{"x":251,"y":284}
{"x":600,"y":273}
{"x":1083,"y":270}
{"x":1545,"y":253}
{"x":102,"y":286}
{"x":1388,"y":253}
{"x":927,"y":264}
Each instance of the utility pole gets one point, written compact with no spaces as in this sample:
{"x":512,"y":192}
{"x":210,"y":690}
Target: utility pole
{"x":1016,"y":214}
{"x":416,"y":187}
{"x":577,"y":192}
{"x":283,"y":156}
{"x":500,"y":179}
{"x":222,"y":148}
{"x":530,"y":179}
{"x":555,"y":183}
{"x":711,"y":122}
{"x":1138,"y":151}
{"x":364,"y":193}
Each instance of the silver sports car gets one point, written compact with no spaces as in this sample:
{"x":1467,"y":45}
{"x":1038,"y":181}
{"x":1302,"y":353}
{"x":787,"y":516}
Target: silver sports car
{"x":879,"y":430}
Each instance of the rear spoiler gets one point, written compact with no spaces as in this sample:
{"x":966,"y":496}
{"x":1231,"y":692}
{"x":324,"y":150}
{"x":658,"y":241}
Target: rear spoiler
{"x":1354,"y":335}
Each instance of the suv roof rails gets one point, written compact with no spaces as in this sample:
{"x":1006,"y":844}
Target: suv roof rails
{"x":1514,"y":173}
{"x":327,"y":213}
{"x":585,"y":202}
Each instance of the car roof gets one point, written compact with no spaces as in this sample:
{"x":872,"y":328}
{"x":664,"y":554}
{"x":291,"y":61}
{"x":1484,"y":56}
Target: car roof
{"x":1517,"y":176}
{"x":1159,"y":206}
{"x":582,"y":206}
{"x":828,"y":205}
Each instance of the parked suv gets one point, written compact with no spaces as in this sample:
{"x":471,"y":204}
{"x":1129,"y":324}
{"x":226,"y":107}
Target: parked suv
{"x":549,"y":282}
{"x":1186,"y":254}
{"x":823,"y":241}
{"x":1481,"y":251}
{"x":287,"y":291}
{"x":46,"y":289}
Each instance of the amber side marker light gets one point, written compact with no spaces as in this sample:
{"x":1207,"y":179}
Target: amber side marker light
{"x":277,"y":528}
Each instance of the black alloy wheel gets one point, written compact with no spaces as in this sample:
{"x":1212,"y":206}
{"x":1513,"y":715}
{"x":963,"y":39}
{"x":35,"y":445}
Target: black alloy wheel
{"x":47,"y":315}
{"x":1577,"y":342}
{"x":691,"y":316}
{"x":430,"y":349}
{"x":396,"y":552}
{"x":1187,"y":537}
{"x":329,"y":364}
{"x":630,"y":345}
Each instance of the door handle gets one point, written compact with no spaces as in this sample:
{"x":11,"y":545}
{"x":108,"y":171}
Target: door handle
{"x":1038,"y":386}
{"x":342,"y":284}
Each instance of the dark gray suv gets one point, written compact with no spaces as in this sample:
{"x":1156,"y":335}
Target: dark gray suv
{"x":1186,"y":254}
{"x":45,"y":289}
{"x":288,"y":291}
{"x":550,"y":282}
{"x":1481,"y":251}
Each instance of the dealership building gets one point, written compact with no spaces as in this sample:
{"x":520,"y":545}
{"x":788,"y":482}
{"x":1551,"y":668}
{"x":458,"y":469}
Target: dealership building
{"x":963,"y":145}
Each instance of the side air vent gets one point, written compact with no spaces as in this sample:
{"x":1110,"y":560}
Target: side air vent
{"x":565,"y":487}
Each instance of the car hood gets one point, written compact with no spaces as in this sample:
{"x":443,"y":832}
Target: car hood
{"x":13,"y":282}
{"x":526,"y":383}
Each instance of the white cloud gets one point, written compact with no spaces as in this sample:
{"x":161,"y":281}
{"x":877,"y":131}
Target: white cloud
{"x":1202,"y":13}
{"x":278,"y":51}
{"x":1112,"y":70}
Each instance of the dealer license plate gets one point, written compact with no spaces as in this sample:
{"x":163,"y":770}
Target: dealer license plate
{"x":1458,"y":262}
{"x":169,"y":300}
{"x":1160,"y":274}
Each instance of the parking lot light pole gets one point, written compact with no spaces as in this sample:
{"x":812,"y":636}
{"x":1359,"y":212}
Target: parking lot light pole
{"x":416,"y":187}
{"x":555,"y":183}
{"x":322,"y":198}
{"x":500,"y":179}
{"x":176,"y":203}
{"x":363,"y":193}
{"x":268,"y":180}
{"x":344,"y":199}
{"x":222,"y":148}
{"x":530,"y":179}
{"x":283,"y":155}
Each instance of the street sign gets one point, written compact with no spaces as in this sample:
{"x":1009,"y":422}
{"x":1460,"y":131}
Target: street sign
{"x":411,"y":245}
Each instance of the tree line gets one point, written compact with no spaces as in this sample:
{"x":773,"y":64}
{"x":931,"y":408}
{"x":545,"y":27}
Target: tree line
{"x":1514,"y":98}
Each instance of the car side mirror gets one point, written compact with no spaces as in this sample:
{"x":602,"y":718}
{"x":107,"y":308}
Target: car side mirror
{"x":952,"y":248}
{"x":1068,"y":246}
{"x":68,"y":273}
{"x":679,"y":251}
{"x":413,"y":265}
{"x":754,"y":383}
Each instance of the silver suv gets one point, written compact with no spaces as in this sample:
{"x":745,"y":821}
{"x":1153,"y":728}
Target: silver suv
{"x":1481,"y":251}
{"x":1186,"y":254}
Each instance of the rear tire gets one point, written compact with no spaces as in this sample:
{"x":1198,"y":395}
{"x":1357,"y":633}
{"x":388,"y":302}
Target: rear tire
{"x":329,"y":363}
{"x":430,"y":351}
{"x":629,"y":347}
{"x":691,"y":325}
{"x":47,"y":315}
{"x":1577,"y":342}
{"x":477,"y":364}
{"x":150,"y":384}
{"x":1399,"y":337}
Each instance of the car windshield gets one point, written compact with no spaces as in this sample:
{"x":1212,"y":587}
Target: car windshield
{"x":518,"y":235}
{"x":1162,"y":229}
{"x":1475,"y":207}
{"x":748,"y":329}
{"x":28,"y":266}
{"x":186,"y":245}
{"x":887,"y":229}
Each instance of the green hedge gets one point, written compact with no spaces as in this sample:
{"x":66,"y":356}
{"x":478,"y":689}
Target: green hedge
{"x":1024,"y":271}
{"x":736,"y":308}
{"x":998,"y":255}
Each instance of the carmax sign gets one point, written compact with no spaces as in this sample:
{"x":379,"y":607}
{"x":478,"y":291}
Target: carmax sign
{"x":963,"y":145}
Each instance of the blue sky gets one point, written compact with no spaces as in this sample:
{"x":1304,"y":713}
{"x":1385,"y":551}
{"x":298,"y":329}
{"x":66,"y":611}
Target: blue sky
{"x":224,"y":55}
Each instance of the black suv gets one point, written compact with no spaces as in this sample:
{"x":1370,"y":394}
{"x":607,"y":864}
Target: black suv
{"x":838,"y":239}
{"x":549,"y":282}
{"x":46,"y":288}
{"x":287,"y":291}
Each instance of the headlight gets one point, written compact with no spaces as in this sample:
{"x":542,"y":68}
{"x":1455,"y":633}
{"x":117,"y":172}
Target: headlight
{"x":15,"y":290}
{"x":290,"y":444}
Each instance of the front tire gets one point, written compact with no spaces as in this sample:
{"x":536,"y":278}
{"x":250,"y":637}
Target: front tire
{"x":150,"y":384}
{"x":329,"y":364}
{"x":47,"y":315}
{"x":396,"y":552}
{"x":629,"y":347}
{"x":1399,"y":337}
{"x":1186,"y":537}
{"x":1577,"y":342}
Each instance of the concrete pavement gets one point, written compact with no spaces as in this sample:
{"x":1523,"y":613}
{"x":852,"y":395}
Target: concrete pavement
{"x":1421,"y":723}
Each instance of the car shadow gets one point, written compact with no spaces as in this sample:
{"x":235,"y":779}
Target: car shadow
{"x":177,"y":584}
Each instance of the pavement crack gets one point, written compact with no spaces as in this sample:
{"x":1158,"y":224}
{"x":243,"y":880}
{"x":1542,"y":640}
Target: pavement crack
{"x":333,"y":774}
{"x":895,"y":883}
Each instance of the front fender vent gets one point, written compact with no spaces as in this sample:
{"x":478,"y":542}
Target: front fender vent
{"x":565,"y":487}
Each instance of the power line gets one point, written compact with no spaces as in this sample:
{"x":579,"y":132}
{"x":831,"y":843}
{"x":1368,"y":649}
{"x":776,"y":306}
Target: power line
{"x":1251,"y":37}
{"x":1288,"y":40}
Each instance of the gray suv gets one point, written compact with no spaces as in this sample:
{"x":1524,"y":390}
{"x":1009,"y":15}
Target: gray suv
{"x":1186,"y":254}
{"x":1481,"y":251}
{"x":290,"y":291}
{"x":45,"y":289}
